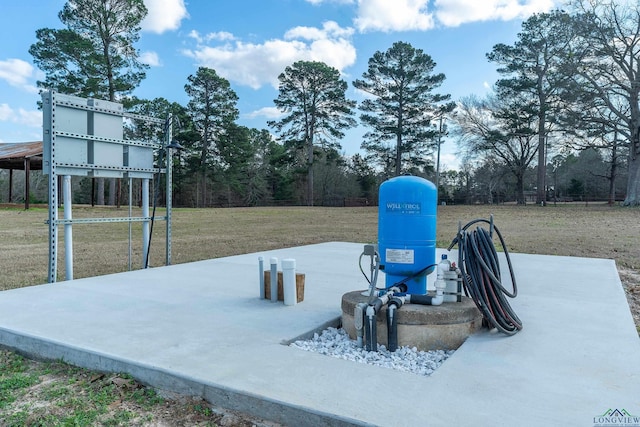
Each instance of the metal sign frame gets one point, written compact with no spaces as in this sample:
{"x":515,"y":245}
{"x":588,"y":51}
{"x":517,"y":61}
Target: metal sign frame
{"x":85,"y":137}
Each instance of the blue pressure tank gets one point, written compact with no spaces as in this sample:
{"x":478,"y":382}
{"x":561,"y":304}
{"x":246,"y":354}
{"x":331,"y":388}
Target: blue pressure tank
{"x":407,"y":231}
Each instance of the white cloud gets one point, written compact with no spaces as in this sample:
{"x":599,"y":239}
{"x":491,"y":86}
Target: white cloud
{"x":164,"y":15}
{"x":452,"y":13}
{"x":195,"y":35}
{"x":267,"y":112}
{"x":330,"y":29}
{"x":397,"y":15}
{"x":449,"y":161}
{"x":257,"y":64}
{"x":17,"y":73}
{"x":150,"y":58}
{"x":422,"y":15}
{"x":30,"y":118}
{"x":219,"y":35}
{"x":5,"y":113}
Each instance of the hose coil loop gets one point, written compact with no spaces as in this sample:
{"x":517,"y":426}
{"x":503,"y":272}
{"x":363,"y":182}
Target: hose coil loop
{"x":482,"y":282}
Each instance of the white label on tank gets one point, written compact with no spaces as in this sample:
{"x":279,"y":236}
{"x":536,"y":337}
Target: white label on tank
{"x":399,"y":256}
{"x":404,"y":208}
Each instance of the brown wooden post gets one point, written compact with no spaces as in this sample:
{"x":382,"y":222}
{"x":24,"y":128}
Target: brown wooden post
{"x":27,"y":170}
{"x":10,"y":184}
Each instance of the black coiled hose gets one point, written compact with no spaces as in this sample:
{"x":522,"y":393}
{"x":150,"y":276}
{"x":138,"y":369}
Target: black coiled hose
{"x":478,"y":262}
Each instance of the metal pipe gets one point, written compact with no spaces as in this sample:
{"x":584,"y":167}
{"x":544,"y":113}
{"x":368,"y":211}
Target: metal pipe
{"x":130,"y":224}
{"x":374,"y":269}
{"x":168,"y":176}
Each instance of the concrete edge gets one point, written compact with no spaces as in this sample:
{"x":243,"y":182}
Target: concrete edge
{"x":258,"y":406}
{"x":333,"y":323}
{"x":272,"y":410}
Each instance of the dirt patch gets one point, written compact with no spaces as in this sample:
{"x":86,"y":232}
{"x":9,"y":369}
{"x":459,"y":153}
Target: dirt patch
{"x":34,"y":393}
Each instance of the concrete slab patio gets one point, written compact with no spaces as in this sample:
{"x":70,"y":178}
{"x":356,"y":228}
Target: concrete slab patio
{"x":199,"y":328}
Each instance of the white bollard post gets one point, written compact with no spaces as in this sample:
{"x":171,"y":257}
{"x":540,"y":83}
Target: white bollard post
{"x":261,"y":276}
{"x":68,"y":230}
{"x":274,"y":279}
{"x":289,"y":281}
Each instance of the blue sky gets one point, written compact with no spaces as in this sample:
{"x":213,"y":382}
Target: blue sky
{"x":249,"y":42}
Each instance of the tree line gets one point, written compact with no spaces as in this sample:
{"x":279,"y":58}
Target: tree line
{"x":569,"y":83}
{"x":567,"y":97}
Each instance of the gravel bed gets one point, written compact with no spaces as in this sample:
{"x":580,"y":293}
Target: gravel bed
{"x":336,"y":343}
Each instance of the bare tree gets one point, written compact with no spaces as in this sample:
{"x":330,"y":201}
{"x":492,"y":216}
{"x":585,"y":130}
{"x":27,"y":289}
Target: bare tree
{"x":500,"y":128}
{"x":606,"y":63}
{"x":533,"y":65}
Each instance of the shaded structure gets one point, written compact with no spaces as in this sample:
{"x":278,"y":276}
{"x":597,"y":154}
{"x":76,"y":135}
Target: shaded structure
{"x":26,"y":156}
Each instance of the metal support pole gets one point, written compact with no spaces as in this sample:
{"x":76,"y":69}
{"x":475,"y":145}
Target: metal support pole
{"x":130,"y":214}
{"x":169,"y":189}
{"x":49,"y":167}
{"x":68,"y":232}
{"x":146,"y":222}
{"x":438,"y":159}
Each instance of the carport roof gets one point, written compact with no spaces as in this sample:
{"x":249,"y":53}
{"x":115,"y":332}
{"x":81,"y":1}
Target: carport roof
{"x":13,"y":155}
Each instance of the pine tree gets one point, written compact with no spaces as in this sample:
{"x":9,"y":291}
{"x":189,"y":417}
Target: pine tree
{"x":403,"y":106}
{"x":94,"y":56}
{"x":212,"y":108}
{"x":312,"y":96}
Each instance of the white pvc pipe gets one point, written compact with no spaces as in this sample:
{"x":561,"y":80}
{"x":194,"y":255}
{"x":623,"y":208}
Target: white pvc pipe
{"x":440,"y":287}
{"x":437,"y":300}
{"x":289,"y":281}
{"x":274,"y":279}
{"x":261,"y":276}
{"x":145,"y":223}
{"x":68,"y":233}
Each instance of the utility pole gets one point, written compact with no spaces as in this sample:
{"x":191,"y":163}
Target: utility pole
{"x":438,"y":158}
